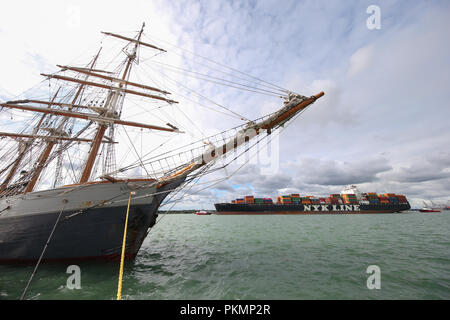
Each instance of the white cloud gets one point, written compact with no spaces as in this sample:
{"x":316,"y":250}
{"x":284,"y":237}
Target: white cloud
{"x":360,"y":60}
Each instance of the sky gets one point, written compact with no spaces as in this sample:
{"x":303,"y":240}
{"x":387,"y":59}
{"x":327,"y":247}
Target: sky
{"x":382,"y":125}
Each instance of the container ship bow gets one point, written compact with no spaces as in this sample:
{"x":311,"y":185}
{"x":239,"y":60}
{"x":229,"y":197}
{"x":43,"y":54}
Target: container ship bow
{"x":84,"y":217}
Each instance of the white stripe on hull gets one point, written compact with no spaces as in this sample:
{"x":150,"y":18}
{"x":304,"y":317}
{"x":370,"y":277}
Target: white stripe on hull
{"x":77,"y":198}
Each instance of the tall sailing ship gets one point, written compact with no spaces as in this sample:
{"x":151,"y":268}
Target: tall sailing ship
{"x":85,"y":219}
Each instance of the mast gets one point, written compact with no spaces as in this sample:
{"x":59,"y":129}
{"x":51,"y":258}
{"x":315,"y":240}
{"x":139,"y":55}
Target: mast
{"x":102,"y":127}
{"x":22,"y":152}
{"x":37,"y":136}
{"x":89,"y":116}
{"x":133,"y":40}
{"x":120,"y":88}
{"x":94,"y":74}
{"x":51,"y":143}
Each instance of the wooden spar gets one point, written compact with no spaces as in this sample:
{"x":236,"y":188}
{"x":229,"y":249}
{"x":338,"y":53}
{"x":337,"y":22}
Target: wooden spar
{"x":95,"y":84}
{"x":61,"y":104}
{"x":12,"y":171}
{"x":36,"y":136}
{"x":134,"y":84}
{"x":94,"y":150}
{"x":200,"y":161}
{"x":22,"y":153}
{"x":80,"y":88}
{"x":50,"y":144}
{"x":286,"y":115}
{"x":36,"y":129}
{"x":133,"y":40}
{"x":87,"y":69}
{"x":102,"y":127}
{"x":282,"y":117}
{"x":40,"y":166}
{"x":87,"y":116}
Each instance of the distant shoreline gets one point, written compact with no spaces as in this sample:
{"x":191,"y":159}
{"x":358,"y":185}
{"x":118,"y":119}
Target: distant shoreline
{"x":182,"y":211}
{"x":212,"y":211}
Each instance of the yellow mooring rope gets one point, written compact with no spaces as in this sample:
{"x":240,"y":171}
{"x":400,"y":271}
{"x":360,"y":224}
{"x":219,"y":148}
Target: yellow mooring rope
{"x":122,"y":258}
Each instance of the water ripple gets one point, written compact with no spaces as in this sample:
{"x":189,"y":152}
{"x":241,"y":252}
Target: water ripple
{"x":266,"y":257}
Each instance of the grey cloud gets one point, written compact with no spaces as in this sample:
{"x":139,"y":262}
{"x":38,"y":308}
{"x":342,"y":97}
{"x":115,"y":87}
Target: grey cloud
{"x":261,"y":182}
{"x":271,"y":183}
{"x":224,"y":186}
{"x":330,"y":172}
{"x":433,"y":167}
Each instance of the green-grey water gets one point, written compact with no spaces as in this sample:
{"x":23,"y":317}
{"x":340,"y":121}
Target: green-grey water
{"x":265,"y":257}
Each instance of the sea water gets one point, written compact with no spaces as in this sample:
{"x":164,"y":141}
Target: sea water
{"x":186,"y":256}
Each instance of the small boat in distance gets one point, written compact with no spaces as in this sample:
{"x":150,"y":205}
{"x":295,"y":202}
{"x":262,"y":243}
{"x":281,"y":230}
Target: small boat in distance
{"x":203,"y":213}
{"x":428,"y":208}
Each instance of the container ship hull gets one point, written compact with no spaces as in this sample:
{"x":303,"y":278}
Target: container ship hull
{"x":236,"y":209}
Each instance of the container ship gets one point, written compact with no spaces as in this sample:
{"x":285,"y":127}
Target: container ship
{"x":349,"y":201}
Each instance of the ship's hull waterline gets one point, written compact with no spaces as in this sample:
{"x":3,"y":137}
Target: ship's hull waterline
{"x":94,"y":233}
{"x":257,"y":209}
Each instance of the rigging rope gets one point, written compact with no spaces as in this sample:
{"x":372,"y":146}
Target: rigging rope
{"x":246,"y":162}
{"x":42,"y":254}
{"x":241,"y":117}
{"x":234,"y":84}
{"x":122,"y":256}
{"x":222,"y":65}
{"x":137,"y":154}
{"x":203,"y":172}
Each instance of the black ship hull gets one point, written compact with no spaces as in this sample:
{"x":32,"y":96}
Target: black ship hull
{"x":231,"y":208}
{"x":94,"y":234}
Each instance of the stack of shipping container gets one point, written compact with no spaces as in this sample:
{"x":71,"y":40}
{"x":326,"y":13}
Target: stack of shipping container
{"x":335,"y":199}
{"x":372,"y":197}
{"x":253,"y":200}
{"x":350,"y":198}
{"x":369,"y":198}
{"x":259,"y":201}
{"x":383,"y":199}
{"x":306,"y":200}
{"x":249,"y":199}
{"x":401,"y":198}
{"x":295,"y":198}
{"x":286,"y":200}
